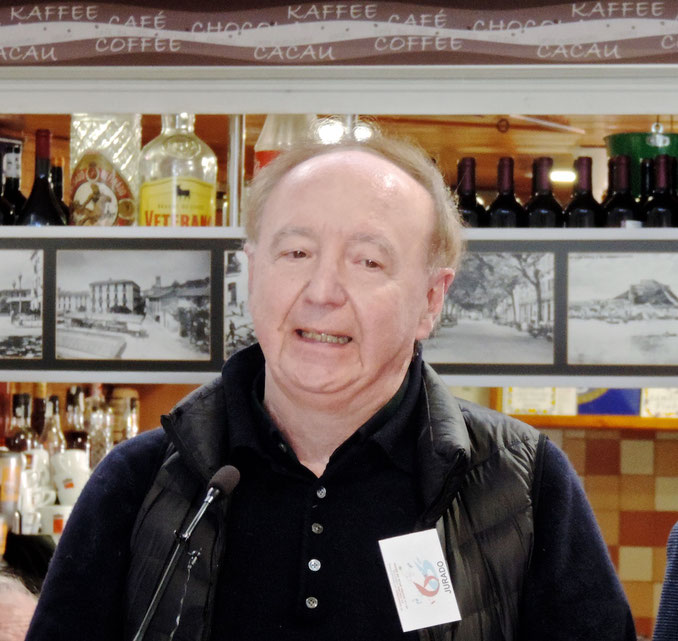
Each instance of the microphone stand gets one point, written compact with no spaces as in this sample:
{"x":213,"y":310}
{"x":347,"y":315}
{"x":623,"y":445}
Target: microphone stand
{"x":179,"y":547}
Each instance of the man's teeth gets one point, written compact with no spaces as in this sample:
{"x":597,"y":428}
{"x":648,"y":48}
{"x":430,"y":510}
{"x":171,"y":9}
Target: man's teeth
{"x":325,"y":338}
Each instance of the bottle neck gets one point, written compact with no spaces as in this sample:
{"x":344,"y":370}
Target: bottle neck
{"x":662,"y":175}
{"x":42,"y":153}
{"x":466,"y":177}
{"x":621,"y":174}
{"x":175,"y":123}
{"x":542,"y":178}
{"x":582,"y":167}
{"x":505,"y":184}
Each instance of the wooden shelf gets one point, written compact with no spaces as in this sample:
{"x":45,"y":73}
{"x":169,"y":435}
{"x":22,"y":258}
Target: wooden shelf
{"x":598,"y":421}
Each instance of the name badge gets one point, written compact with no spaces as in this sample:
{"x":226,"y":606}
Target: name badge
{"x":419,"y":579}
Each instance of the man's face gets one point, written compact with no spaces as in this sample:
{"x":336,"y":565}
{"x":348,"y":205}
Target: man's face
{"x":340,"y":285}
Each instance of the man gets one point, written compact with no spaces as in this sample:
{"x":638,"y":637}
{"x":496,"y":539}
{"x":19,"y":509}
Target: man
{"x":343,"y":438}
{"x":666,"y":626}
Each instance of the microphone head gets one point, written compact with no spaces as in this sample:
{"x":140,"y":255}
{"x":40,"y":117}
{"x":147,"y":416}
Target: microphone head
{"x":225,"y":479}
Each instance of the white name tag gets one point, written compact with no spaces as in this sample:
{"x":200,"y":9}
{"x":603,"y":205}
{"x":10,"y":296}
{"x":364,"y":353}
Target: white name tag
{"x":420,"y":580}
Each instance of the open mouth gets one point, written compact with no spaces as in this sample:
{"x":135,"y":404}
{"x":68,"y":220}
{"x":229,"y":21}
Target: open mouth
{"x":322,"y":337}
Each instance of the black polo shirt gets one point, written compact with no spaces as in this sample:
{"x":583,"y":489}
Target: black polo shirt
{"x":302,"y":558}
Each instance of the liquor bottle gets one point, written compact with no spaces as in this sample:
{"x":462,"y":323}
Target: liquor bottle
{"x":621,"y":208}
{"x":105,"y":151}
{"x":19,"y":437}
{"x":42,"y":206}
{"x":505,"y":210}
{"x":12,"y":169}
{"x":646,"y":180}
{"x":471,"y":210}
{"x":132,"y":419}
{"x":99,"y":425}
{"x":75,"y":432}
{"x":583,"y":210}
{"x":661,"y":208}
{"x":38,"y":409}
{"x":6,"y":207}
{"x":56,"y":177}
{"x":178,"y":177}
{"x":280,"y":132}
{"x":543,"y":210}
{"x":52,"y":438}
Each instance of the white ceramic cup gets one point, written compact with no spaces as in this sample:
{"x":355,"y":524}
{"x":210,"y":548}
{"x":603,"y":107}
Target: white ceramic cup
{"x":53,"y":519}
{"x":37,"y":461}
{"x":30,"y":522}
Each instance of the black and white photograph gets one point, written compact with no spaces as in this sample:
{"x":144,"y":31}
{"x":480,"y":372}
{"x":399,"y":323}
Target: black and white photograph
{"x":133,"y":305}
{"x":499,"y":310}
{"x":21,"y":283}
{"x":622,"y":308}
{"x":238,"y":328}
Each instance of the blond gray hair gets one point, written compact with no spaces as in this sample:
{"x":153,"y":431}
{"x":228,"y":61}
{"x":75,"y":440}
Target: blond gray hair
{"x":447,"y":241}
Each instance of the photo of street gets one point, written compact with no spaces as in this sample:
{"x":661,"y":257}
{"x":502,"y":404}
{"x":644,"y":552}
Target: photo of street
{"x":133,"y":305}
{"x":238,"y":328}
{"x":498,"y":310}
{"x":21,"y":291}
{"x":622,"y":308}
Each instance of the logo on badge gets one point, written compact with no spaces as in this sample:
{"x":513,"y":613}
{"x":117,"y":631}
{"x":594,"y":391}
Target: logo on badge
{"x":430,"y":584}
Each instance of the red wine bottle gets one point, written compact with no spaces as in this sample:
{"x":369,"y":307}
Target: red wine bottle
{"x":621,"y":208}
{"x":12,"y":191}
{"x":42,"y":206}
{"x":56,"y":176}
{"x":471,"y":210}
{"x":661,"y":208}
{"x":543,"y":210}
{"x":646,"y":180}
{"x":6,"y":207}
{"x":505,"y":210}
{"x":583,"y":210}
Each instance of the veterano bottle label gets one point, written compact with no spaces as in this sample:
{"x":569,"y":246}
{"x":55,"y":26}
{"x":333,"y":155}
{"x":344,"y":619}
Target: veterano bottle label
{"x":177,"y":202}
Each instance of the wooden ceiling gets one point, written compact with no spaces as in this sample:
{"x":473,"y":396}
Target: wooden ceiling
{"x":447,"y":138}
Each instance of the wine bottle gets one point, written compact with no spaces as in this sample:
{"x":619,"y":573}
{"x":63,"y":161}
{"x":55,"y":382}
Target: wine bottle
{"x":12,"y":169}
{"x":52,"y":438}
{"x":646,"y":180}
{"x":505,"y":210}
{"x":42,"y":206}
{"x":661,"y":208}
{"x":583,"y":210}
{"x":19,"y":437}
{"x":543,"y":210}
{"x":6,"y":207}
{"x":621,"y":208}
{"x":56,"y":176}
{"x":471,"y":210}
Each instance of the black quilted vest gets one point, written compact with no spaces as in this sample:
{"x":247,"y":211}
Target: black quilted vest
{"x":477,"y":472}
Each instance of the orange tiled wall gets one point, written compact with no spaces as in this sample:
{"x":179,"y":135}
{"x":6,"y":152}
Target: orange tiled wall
{"x":631,"y":479}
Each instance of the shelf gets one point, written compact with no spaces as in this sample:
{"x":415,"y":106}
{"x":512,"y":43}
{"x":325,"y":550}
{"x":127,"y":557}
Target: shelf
{"x":597,"y":421}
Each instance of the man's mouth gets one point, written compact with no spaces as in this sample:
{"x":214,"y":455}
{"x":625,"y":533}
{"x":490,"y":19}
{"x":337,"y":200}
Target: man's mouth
{"x":322,"y":337}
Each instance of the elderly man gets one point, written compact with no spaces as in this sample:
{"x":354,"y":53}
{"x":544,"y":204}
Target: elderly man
{"x":17,"y":604}
{"x":346,"y":441}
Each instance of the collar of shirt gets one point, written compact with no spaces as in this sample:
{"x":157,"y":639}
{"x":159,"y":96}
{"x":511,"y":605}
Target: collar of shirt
{"x":254,"y":431}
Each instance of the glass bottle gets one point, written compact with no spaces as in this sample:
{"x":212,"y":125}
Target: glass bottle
{"x":583,"y":210}
{"x":52,"y":438}
{"x":280,"y":132}
{"x":132,"y":419}
{"x":12,"y":169}
{"x":6,"y":207}
{"x":661,"y":208}
{"x":505,"y":210}
{"x":543,"y":210}
{"x":100,"y":431}
{"x":42,"y":207}
{"x":75,"y":431}
{"x":56,"y":176}
{"x":38,"y":408}
{"x":471,"y":210}
{"x":621,"y":208}
{"x":105,"y":151}
{"x":178,"y":177}
{"x":19,"y":437}
{"x":646,"y":180}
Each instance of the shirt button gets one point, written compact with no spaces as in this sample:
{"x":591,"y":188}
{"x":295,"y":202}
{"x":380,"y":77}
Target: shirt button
{"x":316,"y":528}
{"x":314,"y":565}
{"x":283,"y":447}
{"x":311,"y":602}
{"x":321,"y":492}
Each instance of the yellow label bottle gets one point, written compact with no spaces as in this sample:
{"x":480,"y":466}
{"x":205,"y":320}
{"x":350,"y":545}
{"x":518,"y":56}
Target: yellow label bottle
{"x":179,"y":201}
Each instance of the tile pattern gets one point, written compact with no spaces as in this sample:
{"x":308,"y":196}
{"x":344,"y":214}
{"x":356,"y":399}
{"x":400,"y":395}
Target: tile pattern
{"x":631,"y":480}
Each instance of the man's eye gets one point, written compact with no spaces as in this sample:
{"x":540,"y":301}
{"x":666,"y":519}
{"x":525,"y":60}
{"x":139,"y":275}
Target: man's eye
{"x":371,"y":264}
{"x":296,"y":253}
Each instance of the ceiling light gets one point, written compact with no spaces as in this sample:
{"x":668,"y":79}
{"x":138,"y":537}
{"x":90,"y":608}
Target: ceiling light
{"x":563,"y":176}
{"x":330,"y":131}
{"x":362,"y":131}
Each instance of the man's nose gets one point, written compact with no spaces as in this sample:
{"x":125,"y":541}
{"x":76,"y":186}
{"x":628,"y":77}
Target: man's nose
{"x":326,"y":283}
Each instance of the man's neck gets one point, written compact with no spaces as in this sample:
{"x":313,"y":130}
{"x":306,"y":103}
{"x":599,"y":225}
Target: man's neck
{"x":316,"y":430}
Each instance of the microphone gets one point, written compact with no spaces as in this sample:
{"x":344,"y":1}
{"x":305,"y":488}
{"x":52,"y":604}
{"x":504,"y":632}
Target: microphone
{"x":220,"y":486}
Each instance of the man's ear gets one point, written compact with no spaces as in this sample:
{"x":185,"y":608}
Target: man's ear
{"x":439,"y":282}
